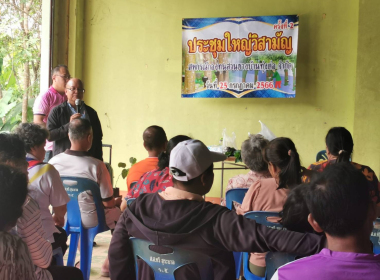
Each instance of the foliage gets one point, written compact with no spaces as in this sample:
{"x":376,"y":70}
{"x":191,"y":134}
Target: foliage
{"x":232,"y":152}
{"x":20,"y":52}
{"x":124,"y":171}
{"x":10,"y":112}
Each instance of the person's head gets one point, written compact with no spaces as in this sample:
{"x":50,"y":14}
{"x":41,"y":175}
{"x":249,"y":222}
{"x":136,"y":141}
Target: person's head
{"x":60,"y":76}
{"x":191,"y":165}
{"x":283,"y":162}
{"x":74,"y":90}
{"x":295,"y":211}
{"x":163,"y":157}
{"x":12,"y":152}
{"x":155,"y":139}
{"x":339,"y":144}
{"x":339,"y":202}
{"x":251,"y":153}
{"x":13,"y":191}
{"x":80,"y":135}
{"x":34,"y":137}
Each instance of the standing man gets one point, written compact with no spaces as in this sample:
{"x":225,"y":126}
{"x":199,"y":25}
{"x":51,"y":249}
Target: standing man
{"x":54,"y":96}
{"x":61,"y":116}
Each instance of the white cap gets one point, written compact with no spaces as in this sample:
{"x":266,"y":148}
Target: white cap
{"x":192,"y":157}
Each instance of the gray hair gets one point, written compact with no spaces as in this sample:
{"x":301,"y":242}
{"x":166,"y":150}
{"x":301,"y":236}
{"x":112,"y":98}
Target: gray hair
{"x":79,"y":129}
{"x":251,"y":153}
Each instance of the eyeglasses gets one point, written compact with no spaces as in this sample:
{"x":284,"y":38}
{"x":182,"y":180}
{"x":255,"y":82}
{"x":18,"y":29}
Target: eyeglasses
{"x":76,"y":89}
{"x":66,"y":77}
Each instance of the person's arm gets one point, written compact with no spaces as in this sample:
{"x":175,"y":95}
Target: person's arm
{"x":57,"y":129}
{"x":29,"y":228}
{"x":96,"y":150}
{"x":58,"y":197}
{"x":59,"y":215}
{"x":39,"y":119}
{"x":120,"y":253}
{"x":106,"y":190}
{"x":244,"y":235}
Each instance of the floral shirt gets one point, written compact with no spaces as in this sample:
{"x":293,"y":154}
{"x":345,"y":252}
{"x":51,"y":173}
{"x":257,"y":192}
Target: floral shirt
{"x":243,"y":181}
{"x":366,"y":170}
{"x":151,"y":182}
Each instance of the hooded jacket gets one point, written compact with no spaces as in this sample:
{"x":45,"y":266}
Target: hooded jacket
{"x":199,"y":226}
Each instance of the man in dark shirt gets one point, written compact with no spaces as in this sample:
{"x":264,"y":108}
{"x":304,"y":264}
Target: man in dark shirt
{"x":180,"y":217}
{"x":61,"y":116}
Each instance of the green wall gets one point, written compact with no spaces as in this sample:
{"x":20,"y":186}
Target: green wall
{"x":132,"y":70}
{"x":367,"y":99}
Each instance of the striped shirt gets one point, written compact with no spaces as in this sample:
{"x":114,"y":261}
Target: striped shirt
{"x":15,"y":261}
{"x":29,"y":228}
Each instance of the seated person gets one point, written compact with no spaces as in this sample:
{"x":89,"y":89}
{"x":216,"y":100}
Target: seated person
{"x":15,"y":262}
{"x":295,"y":211}
{"x":180,"y":217}
{"x":156,"y":180}
{"x":270,"y":194}
{"x":45,"y":185}
{"x":77,"y":162}
{"x":339,"y":147}
{"x":251,"y":154}
{"x":29,"y":225}
{"x":155,"y":143}
{"x":340,"y":206}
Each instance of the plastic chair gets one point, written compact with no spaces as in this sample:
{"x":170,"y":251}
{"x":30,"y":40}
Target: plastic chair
{"x":321,"y":155}
{"x":236,"y":195}
{"x":375,"y":236}
{"x":74,"y":186}
{"x":273,"y":259}
{"x":58,"y":256}
{"x":164,"y":265}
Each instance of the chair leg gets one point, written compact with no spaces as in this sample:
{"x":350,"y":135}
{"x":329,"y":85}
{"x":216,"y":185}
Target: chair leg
{"x":86,"y":246}
{"x":73,"y":249}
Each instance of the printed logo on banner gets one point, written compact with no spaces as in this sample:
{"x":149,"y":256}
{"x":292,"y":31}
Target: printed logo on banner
{"x":239,"y":57}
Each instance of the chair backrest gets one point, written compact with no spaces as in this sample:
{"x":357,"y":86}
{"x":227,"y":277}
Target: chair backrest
{"x":375,"y":236}
{"x":164,"y":265}
{"x":74,"y":186}
{"x":261,"y":218}
{"x":236,"y":195}
{"x":321,"y":155}
{"x":273,"y":259}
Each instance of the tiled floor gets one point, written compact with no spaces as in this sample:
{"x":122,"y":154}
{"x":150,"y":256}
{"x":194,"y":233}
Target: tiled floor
{"x":99,"y":254}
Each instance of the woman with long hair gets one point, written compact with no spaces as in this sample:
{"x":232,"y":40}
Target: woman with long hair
{"x":270,"y":194}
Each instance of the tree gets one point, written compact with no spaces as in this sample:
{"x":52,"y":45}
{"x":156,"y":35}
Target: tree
{"x":20,"y":50}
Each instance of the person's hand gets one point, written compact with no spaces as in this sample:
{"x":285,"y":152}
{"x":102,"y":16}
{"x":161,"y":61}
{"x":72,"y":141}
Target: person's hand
{"x":118,"y":201}
{"x":59,"y":221}
{"x":75,"y":116}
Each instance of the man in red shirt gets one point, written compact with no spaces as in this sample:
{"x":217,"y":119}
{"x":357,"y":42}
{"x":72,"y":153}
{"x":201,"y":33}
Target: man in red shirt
{"x":155,"y":142}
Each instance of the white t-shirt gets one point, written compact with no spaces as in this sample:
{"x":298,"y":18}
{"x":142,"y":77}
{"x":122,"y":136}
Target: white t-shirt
{"x":47,"y":189}
{"x":80,"y":164}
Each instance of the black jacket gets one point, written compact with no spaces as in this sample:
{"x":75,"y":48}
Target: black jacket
{"x":200,"y":226}
{"x":58,"y":126}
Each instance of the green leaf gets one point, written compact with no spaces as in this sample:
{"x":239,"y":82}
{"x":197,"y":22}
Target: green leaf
{"x":124,"y":173}
{"x":132,"y":160}
{"x":121,"y":164}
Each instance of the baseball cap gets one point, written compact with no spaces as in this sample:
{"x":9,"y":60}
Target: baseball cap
{"x":191,"y":158}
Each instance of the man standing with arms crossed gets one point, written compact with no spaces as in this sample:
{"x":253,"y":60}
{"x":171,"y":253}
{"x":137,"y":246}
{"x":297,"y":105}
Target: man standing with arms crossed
{"x":54,"y":96}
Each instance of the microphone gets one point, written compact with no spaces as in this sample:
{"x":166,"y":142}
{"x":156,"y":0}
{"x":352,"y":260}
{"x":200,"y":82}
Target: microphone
{"x":78,"y":102}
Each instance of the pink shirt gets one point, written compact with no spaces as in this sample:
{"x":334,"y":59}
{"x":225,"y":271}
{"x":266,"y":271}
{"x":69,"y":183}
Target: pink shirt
{"x":243,"y":181}
{"x":44,"y":104}
{"x":263,"y":195}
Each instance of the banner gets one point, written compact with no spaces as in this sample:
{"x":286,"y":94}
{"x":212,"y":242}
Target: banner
{"x":239,"y":57}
